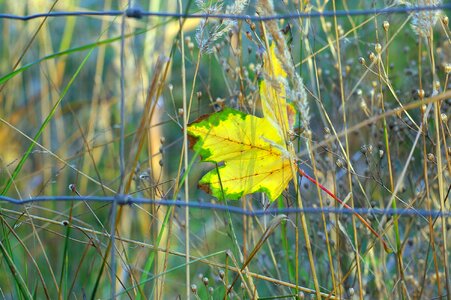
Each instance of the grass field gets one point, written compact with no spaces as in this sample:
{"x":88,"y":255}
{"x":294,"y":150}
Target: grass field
{"x":100,"y":106}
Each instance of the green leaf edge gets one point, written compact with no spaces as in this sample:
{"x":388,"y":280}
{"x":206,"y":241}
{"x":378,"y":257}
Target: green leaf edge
{"x":222,"y":194}
{"x":208,"y":122}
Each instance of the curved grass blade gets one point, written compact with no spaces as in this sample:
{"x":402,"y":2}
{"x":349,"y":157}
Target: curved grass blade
{"x":44,"y":124}
{"x":18,"y":279}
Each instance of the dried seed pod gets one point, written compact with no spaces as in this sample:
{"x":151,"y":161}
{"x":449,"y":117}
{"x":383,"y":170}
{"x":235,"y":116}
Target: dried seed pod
{"x":249,"y":35}
{"x":194,"y":289}
{"x":326,"y":130}
{"x":372,"y":57}
{"x":221,"y":274}
{"x":347,"y":69}
{"x":205,"y":281}
{"x":340,"y":30}
{"x":378,"y":48}
{"x":420,"y":93}
{"x":447,"y":68}
{"x":431,"y":157}
{"x":328,"y":26}
{"x":423,"y":108}
{"x":437,"y":85}
{"x":386,"y":26}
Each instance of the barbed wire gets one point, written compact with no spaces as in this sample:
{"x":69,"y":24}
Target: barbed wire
{"x":138,"y":13}
{"x":128,"y":200}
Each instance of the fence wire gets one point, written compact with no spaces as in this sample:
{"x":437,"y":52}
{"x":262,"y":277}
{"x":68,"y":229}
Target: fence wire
{"x":138,"y":13}
{"x":128,"y":200}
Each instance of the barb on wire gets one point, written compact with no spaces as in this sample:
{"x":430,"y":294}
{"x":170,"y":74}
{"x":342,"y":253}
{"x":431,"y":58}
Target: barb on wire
{"x":128,"y":200}
{"x":138,"y":13}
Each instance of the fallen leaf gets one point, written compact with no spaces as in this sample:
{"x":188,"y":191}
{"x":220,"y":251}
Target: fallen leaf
{"x":251,"y":149}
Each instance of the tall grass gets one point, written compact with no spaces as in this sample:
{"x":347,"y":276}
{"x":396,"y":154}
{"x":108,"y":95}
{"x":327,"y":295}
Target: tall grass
{"x":373,"y":103}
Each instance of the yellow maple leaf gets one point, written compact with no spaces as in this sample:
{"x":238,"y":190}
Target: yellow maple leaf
{"x":272,"y":92}
{"x":252,"y":149}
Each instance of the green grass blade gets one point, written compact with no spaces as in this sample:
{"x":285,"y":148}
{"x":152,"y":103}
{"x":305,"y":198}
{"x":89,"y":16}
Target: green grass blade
{"x":151,"y":259}
{"x":64,"y":268}
{"x":99,"y":275}
{"x":14,"y":271}
{"x":7,"y":245}
{"x":286,"y":245}
{"x":44,"y":124}
{"x":90,"y":46}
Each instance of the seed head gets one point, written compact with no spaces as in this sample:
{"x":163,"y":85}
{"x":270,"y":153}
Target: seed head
{"x":420,"y":93}
{"x":194,"y":289}
{"x":372,"y":57}
{"x":205,"y":281}
{"x":447,"y":68}
{"x":221,"y":274}
{"x":423,"y":108}
{"x":378,"y":48}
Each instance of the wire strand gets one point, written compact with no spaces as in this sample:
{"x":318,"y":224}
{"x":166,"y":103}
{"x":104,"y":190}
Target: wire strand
{"x":128,"y":200}
{"x":138,"y":13}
